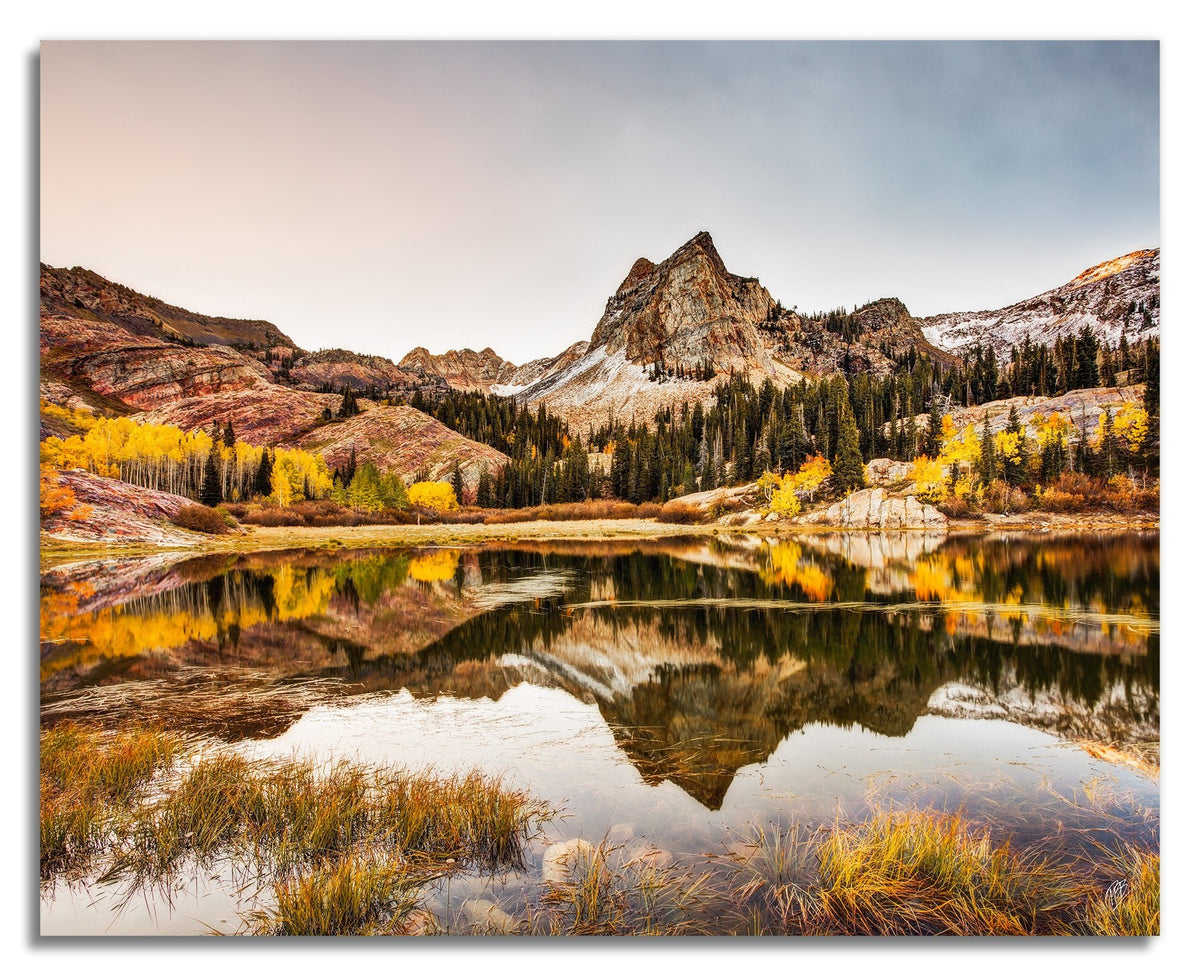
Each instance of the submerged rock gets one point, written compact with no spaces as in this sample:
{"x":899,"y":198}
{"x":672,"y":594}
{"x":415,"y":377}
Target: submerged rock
{"x":561,"y":859}
{"x":487,"y":917}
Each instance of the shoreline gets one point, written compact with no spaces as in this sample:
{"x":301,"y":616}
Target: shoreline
{"x":252,"y":538}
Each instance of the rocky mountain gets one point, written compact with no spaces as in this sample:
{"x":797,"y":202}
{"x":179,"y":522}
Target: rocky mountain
{"x":459,"y":369}
{"x":335,"y":369}
{"x":675,"y":329}
{"x":81,"y":294}
{"x":1115,"y":296}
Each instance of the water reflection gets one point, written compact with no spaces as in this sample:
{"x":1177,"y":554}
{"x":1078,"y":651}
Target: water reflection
{"x":700,"y":657}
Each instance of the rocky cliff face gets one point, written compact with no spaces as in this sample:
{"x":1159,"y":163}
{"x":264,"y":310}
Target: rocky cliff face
{"x":1101,"y":297}
{"x":459,"y":369}
{"x":140,"y":371}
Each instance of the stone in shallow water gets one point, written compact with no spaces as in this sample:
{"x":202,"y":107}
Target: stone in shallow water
{"x":561,"y":859}
{"x":485,"y":916}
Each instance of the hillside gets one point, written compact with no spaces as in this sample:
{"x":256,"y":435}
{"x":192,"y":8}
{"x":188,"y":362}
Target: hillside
{"x":81,"y":294}
{"x":404,"y":441}
{"x":1114,"y":297}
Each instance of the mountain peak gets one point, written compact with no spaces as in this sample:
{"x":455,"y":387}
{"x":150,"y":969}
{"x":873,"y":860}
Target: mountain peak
{"x":702,"y":243}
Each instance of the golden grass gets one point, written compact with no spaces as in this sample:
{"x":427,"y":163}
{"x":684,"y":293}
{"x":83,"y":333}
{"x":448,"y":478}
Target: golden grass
{"x":351,"y":896}
{"x":89,"y":781}
{"x":280,"y":817}
{"x":1131,"y":910}
{"x":927,"y":874}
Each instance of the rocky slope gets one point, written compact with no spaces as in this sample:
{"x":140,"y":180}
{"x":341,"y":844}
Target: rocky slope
{"x":93,"y":357}
{"x":404,"y":441}
{"x":1100,"y":297}
{"x":115,"y":513}
{"x":81,"y":294}
{"x":335,"y":369}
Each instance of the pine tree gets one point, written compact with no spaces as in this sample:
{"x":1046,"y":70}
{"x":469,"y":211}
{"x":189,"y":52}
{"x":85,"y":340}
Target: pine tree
{"x":848,"y":462}
{"x":210,"y":488}
{"x":456,"y":482}
{"x":229,"y":439}
{"x":1150,"y":403}
{"x":262,"y":480}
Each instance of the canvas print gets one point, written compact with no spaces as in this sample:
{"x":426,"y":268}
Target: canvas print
{"x":503,"y":489}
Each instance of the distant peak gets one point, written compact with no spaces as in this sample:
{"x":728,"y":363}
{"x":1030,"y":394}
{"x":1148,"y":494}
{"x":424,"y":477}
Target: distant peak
{"x":1106,"y":269}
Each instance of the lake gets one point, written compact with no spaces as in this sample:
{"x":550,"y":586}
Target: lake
{"x":679,"y":696}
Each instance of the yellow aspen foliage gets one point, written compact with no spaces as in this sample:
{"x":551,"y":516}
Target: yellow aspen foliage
{"x":1050,"y":429}
{"x":1129,"y":424}
{"x":812,"y":474}
{"x":959,"y":447}
{"x":438,"y":495}
{"x":1008,"y":446}
{"x":929,"y":479}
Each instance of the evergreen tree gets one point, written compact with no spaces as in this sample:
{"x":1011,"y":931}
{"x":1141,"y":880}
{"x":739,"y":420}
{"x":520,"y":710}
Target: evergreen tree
{"x":349,"y":406}
{"x":848,"y":462}
{"x":456,"y":482}
{"x":1150,"y":403}
{"x":262,"y":479}
{"x":229,"y":439}
{"x":987,"y":451}
{"x":210,"y":488}
{"x":933,"y":433}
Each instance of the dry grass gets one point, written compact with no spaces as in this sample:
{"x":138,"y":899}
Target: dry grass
{"x":575,"y":512}
{"x":683,"y":513}
{"x":351,"y":896}
{"x":90,"y":780}
{"x":107,"y":805}
{"x":926,"y":874}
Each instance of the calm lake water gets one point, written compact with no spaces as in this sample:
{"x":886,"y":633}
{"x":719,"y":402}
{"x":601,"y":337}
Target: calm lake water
{"x":670,"y":694}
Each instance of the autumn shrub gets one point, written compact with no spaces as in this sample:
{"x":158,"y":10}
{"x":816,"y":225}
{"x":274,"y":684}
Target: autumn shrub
{"x":955,"y":507}
{"x":201,"y":518}
{"x":1004,"y":498}
{"x":682,"y":513}
{"x":274,"y":517}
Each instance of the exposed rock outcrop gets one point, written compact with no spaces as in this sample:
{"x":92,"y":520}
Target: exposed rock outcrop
{"x":874,"y":508}
{"x":335,"y":369}
{"x":116,"y":513}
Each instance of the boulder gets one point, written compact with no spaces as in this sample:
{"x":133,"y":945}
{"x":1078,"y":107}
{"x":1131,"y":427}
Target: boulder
{"x":885,"y":471}
{"x":874,"y":508}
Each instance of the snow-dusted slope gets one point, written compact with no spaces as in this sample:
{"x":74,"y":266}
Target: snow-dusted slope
{"x":1102,"y":297}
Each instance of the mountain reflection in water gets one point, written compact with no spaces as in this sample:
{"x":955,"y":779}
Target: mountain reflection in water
{"x":701,"y":656}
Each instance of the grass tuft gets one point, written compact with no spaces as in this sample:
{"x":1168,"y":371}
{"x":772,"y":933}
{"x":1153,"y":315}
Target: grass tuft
{"x":350,"y":896}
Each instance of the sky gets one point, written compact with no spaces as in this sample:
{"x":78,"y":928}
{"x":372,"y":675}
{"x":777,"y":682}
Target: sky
{"x":382,"y":195}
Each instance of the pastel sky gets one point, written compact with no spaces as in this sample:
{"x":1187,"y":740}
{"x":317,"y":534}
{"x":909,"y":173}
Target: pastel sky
{"x":383,"y":195}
